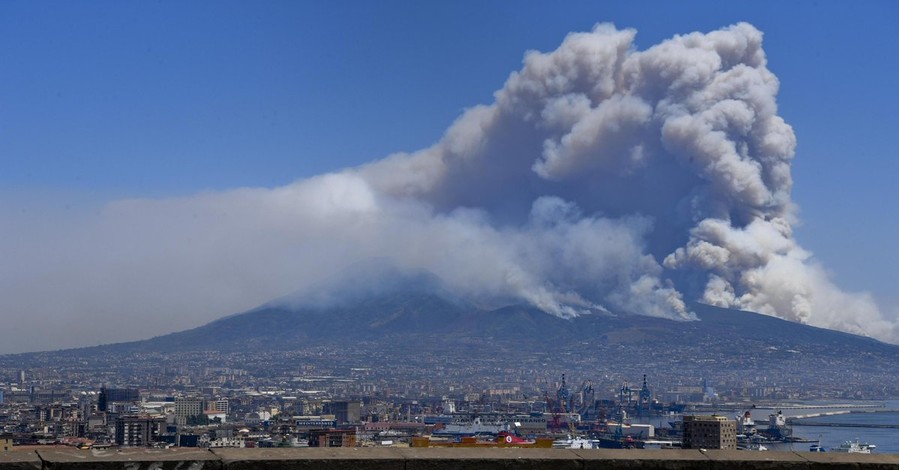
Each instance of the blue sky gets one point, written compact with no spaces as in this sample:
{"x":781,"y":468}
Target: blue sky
{"x":104,"y":100}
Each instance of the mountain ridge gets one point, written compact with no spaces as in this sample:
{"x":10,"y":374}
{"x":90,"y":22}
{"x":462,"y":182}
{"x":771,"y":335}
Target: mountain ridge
{"x":421,"y":312}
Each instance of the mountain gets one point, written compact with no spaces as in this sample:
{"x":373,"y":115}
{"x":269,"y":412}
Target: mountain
{"x":374,"y":306}
{"x":281,"y":326}
{"x":423,"y":310}
{"x":375,"y":299}
{"x":411,"y":326}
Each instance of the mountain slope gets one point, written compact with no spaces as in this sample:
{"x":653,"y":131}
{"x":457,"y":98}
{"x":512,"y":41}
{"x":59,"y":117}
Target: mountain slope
{"x":405,"y":314}
{"x":420,"y":332}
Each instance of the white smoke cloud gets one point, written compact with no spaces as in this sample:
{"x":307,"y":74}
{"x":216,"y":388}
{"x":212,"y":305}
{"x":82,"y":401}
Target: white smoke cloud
{"x":603,"y":178}
{"x":685,"y":134}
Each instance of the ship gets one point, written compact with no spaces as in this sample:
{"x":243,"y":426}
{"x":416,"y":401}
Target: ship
{"x":777,"y":435}
{"x":622,"y":434}
{"x":746,"y":425}
{"x":614,"y":441}
{"x":854,"y":447}
{"x":575,"y":443}
{"x":504,"y":439}
{"x":753,"y":442}
{"x":778,"y":429}
{"x":470,"y":426}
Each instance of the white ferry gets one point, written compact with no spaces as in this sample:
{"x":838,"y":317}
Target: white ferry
{"x":854,"y":447}
{"x":468,"y":426}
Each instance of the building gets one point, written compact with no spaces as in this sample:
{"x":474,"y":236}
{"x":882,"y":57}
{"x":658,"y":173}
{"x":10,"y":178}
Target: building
{"x":220,"y":442}
{"x":314,"y":422}
{"x":137,"y":431}
{"x":344,"y":411}
{"x":116,"y":395}
{"x":398,"y":427}
{"x":213,"y":416}
{"x":220,"y":405}
{"x":122,"y":395}
{"x":530,"y":424}
{"x":332,"y":438}
{"x":709,"y":432}
{"x":186,"y":407}
{"x":6,"y":442}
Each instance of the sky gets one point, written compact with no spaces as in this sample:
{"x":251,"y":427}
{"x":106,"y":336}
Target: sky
{"x":105,"y":102}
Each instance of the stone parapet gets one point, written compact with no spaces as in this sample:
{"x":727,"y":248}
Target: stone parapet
{"x":434,"y":458}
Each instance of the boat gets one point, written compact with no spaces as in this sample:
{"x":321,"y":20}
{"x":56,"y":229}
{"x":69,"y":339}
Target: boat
{"x":661,"y":444}
{"x":752,"y":442}
{"x":618,"y":442}
{"x":467,"y":426}
{"x":755,"y":447}
{"x":502,"y":440}
{"x":854,"y":447}
{"x":575,"y":443}
{"x":621,"y":433}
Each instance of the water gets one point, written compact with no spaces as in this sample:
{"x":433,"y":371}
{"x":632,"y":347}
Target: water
{"x":886,"y":439}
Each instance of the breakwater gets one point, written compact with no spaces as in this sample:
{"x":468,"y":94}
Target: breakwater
{"x":800,"y":422}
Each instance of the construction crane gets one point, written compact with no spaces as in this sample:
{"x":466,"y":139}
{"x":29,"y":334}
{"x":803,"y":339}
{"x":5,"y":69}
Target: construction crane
{"x":556,"y":424}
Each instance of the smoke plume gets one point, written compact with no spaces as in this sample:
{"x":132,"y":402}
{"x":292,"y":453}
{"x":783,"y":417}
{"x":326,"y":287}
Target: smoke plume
{"x":601,"y":179}
{"x":675,"y":155}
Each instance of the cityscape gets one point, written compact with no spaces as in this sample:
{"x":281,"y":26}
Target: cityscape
{"x":236,"y":232}
{"x":385,"y":393}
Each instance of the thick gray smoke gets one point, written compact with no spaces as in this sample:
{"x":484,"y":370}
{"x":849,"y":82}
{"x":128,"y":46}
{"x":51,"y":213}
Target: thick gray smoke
{"x":602,"y":178}
{"x":676,"y":153}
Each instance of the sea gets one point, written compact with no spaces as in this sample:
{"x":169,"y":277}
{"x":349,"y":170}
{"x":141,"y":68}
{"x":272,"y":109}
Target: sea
{"x":867,"y":421}
{"x":864,"y":427}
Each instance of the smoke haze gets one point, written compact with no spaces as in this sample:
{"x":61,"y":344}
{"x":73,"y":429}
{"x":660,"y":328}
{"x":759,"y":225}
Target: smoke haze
{"x":601,"y":179}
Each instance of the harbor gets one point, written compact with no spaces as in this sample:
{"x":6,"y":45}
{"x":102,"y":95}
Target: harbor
{"x":825,"y":425}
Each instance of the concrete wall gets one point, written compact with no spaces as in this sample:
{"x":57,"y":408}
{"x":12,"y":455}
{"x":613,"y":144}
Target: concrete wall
{"x":434,"y":458}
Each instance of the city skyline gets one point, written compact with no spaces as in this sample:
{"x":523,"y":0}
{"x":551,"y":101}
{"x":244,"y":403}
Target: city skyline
{"x":169,"y":111}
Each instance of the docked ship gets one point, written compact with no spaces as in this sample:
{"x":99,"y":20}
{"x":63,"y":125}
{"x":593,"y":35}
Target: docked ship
{"x":777,"y":429}
{"x":612,"y":441}
{"x":575,"y":443}
{"x":622,"y":434}
{"x":746,"y":425}
{"x":470,"y":426}
{"x":777,"y":435}
{"x":502,"y":440}
{"x":748,"y":435}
